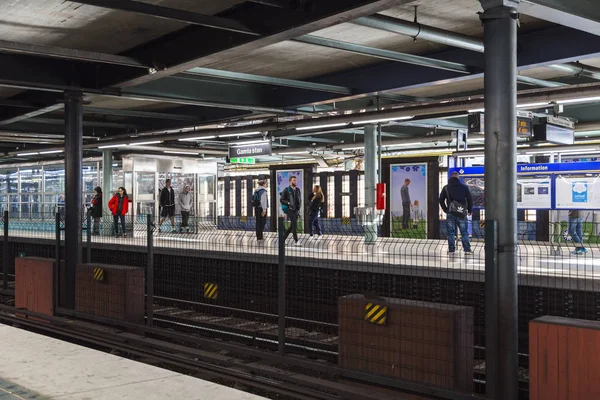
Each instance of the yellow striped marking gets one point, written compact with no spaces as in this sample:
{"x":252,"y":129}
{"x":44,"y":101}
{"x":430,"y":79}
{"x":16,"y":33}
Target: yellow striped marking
{"x":376,"y":313}
{"x":98,"y":274}
{"x":211,"y":290}
{"x":346,"y":221}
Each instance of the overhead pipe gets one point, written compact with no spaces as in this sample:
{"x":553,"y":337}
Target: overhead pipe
{"x":578,"y":69}
{"x":448,"y":38}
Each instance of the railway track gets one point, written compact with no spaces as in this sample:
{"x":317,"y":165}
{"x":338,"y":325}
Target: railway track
{"x":228,"y":368}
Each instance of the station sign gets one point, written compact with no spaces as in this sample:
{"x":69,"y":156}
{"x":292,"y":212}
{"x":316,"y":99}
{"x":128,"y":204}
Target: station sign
{"x":476,"y":123}
{"x":250,"y":150}
{"x":243,"y":160}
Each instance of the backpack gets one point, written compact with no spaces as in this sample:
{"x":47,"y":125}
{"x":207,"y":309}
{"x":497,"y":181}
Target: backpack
{"x":256,"y":197}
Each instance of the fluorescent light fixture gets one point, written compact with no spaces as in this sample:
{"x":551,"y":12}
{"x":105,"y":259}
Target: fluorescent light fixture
{"x":249,"y":142}
{"x":293,"y":152}
{"x":145,"y":143}
{"x":28,"y":154}
{"x":240,"y":134}
{"x":111,"y":146}
{"x":531,"y":105}
{"x":197,"y":138}
{"x":306,"y":128}
{"x":51,"y":151}
{"x":375,"y":121}
{"x":476,"y":110}
{"x":579,"y":100}
{"x":189,"y":153}
{"x":353,"y":148}
{"x":402,"y":144}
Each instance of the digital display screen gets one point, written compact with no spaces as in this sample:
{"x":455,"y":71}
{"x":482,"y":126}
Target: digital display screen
{"x":524,"y":127}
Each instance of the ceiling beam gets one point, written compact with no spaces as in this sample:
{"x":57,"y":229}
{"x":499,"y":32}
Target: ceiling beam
{"x":187,"y":17}
{"x":385,"y":54}
{"x":578,"y":14}
{"x":242,"y":77}
{"x":68,"y":54}
{"x":179,"y":56}
{"x":538,"y":82}
{"x":140,"y":114}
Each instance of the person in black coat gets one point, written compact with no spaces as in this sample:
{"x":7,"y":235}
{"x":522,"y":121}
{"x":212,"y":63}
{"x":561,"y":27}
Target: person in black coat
{"x":316,"y":207}
{"x":96,"y":209}
{"x":456,"y":191}
{"x":167,"y":203}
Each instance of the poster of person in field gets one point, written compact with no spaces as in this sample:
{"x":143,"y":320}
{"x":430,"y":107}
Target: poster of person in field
{"x":408,"y":200}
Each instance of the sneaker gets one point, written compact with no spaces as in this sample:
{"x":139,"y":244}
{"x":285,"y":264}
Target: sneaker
{"x":579,"y":250}
{"x":319,"y":237}
{"x":468,"y":253}
{"x":583,"y":250}
{"x":124,"y":235}
{"x":174,"y":231}
{"x":297,"y":244}
{"x":451,"y":252}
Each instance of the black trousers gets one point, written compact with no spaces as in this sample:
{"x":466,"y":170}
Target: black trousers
{"x":118,"y":218}
{"x":185,"y":219}
{"x":293,"y":229}
{"x":260,"y":223}
{"x":405,"y":215}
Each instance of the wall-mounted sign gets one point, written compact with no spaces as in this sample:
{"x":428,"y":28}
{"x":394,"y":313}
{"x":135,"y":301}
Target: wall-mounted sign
{"x":476,"y":123}
{"x":243,"y":160}
{"x":250,"y":150}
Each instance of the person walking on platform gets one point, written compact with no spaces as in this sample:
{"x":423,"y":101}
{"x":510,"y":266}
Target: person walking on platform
{"x":316,"y":205}
{"x":118,"y":206}
{"x":167,"y":203}
{"x":186,"y":201}
{"x":260,"y":202}
{"x":457,"y":203}
{"x":576,"y":231}
{"x":406,"y":203}
{"x":291,"y":201}
{"x":96,"y":210}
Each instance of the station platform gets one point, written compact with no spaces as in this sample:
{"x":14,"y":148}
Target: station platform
{"x":539,"y":264}
{"x":39,"y":367}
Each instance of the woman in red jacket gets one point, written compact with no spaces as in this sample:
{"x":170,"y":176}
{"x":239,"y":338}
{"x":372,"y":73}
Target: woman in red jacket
{"x":119,"y":205}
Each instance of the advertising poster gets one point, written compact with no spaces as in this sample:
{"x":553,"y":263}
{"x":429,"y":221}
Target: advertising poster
{"x":578,"y":193}
{"x":283,"y":181}
{"x":534,"y":194}
{"x":417,"y":191}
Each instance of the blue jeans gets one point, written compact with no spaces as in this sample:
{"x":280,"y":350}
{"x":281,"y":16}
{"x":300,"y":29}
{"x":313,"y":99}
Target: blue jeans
{"x":314,"y":222}
{"x":118,"y":218}
{"x":576,"y":230}
{"x":451,"y":222}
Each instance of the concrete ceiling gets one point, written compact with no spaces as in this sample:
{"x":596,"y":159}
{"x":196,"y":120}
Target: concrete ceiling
{"x":156,"y":52}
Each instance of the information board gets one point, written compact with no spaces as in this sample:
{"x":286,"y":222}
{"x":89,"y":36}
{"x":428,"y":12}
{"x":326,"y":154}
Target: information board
{"x":578,"y":193}
{"x":534,"y":193}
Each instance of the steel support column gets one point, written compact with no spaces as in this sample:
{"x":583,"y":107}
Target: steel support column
{"x":73,"y":188}
{"x":370,"y":181}
{"x":500,"y":81}
{"x":107,"y":189}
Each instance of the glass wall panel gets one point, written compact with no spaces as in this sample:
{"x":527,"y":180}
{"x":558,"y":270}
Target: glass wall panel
{"x":30,"y":195}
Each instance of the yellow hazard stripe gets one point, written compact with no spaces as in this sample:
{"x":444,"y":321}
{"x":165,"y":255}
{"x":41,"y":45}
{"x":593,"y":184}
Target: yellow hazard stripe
{"x":210,"y":290}
{"x":372,"y":311}
{"x":213,"y":292}
{"x":379,"y":314}
{"x":98,"y":274}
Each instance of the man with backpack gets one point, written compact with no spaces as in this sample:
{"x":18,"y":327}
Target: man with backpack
{"x":457,"y":203}
{"x":260,"y":202}
{"x":291,"y":204}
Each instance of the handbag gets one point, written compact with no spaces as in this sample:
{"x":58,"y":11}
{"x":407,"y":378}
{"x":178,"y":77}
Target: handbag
{"x":456,"y":208}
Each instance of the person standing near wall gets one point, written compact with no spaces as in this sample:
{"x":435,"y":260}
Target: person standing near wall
{"x":260,"y":202}
{"x":167,"y":203}
{"x":316,"y":204}
{"x":457,"y":203}
{"x":576,"y":231}
{"x":119,"y":205}
{"x":96,"y":210}
{"x":406,"y":203}
{"x":291,"y":200}
{"x":186,"y":202}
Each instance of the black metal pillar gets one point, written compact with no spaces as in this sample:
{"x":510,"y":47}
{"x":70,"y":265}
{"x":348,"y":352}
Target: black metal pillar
{"x":73,"y":209}
{"x":281,"y":292}
{"x":500,"y":81}
{"x":150,"y":271}
{"x":6,"y":254}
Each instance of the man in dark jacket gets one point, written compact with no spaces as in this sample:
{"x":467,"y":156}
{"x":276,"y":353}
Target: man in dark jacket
{"x":96,"y":210}
{"x":455,"y":190}
{"x":406,"y":203}
{"x":291,"y":201}
{"x":167,"y":202}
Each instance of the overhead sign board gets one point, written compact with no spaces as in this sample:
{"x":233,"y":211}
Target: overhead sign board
{"x":243,"y":160}
{"x":250,"y":150}
{"x":476,"y":123}
{"x":555,"y":130}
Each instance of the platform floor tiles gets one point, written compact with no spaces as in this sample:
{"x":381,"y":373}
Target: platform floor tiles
{"x":37,"y":367}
